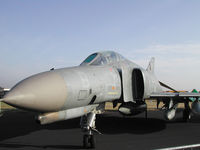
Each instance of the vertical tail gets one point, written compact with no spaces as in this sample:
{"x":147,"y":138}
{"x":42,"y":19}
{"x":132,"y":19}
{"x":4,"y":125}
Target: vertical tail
{"x":150,"y":67}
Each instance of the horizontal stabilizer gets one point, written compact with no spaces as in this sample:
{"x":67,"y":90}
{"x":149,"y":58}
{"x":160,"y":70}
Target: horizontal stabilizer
{"x":166,"y":86}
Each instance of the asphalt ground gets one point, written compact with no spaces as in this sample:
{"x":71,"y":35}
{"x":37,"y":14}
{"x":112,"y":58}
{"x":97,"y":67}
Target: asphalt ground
{"x":18,"y":130}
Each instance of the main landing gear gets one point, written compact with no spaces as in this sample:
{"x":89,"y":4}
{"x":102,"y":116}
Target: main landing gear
{"x":88,"y":126}
{"x":187,"y":112}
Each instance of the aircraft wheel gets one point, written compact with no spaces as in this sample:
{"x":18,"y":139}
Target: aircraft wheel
{"x":89,"y":141}
{"x":86,"y":141}
{"x":92,"y":141}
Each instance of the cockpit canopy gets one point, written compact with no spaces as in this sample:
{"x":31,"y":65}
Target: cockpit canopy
{"x":102,"y":58}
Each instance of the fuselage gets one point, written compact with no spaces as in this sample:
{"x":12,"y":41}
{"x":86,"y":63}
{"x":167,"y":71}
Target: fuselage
{"x":102,"y":77}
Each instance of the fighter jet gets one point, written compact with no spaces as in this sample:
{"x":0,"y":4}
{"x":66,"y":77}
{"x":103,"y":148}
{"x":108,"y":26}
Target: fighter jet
{"x":82,"y":91}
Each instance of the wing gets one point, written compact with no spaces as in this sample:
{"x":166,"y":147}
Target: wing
{"x":175,"y":98}
{"x":172,"y":99}
{"x":163,"y":95}
{"x":178,"y":96}
{"x":175,"y":95}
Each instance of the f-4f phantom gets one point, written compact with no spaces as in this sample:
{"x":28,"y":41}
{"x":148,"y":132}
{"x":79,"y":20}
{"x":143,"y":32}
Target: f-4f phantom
{"x":82,"y":91}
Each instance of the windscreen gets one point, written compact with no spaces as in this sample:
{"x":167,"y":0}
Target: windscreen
{"x":90,"y":58}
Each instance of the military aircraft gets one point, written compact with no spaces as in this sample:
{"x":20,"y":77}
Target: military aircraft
{"x":81,"y":91}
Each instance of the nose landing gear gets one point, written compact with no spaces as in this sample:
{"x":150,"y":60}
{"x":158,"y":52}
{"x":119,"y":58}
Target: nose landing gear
{"x":88,"y":126}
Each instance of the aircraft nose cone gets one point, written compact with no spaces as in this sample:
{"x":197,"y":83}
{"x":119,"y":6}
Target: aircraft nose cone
{"x":42,"y":92}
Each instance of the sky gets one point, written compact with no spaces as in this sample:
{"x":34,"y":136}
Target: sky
{"x":36,"y":36}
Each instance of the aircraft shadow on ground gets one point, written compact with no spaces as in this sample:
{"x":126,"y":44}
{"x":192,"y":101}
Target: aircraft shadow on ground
{"x":18,"y":145}
{"x":120,"y":125}
{"x":18,"y":123}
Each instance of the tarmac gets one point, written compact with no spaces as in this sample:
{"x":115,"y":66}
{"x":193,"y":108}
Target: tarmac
{"x":18,"y":130}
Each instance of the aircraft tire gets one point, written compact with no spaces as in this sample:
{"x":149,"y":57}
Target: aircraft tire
{"x":92,"y":141}
{"x":86,"y":141}
{"x":89,"y":141}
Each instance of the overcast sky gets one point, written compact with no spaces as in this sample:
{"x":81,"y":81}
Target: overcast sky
{"x":38,"y":35}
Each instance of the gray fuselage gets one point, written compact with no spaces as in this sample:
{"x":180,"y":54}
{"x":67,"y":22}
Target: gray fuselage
{"x":102,"y":77}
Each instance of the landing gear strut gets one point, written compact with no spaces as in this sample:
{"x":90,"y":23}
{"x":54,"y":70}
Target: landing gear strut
{"x":186,"y":112}
{"x":88,"y":126}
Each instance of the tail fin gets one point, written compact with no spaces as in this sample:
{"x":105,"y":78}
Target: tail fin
{"x":150,"y":67}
